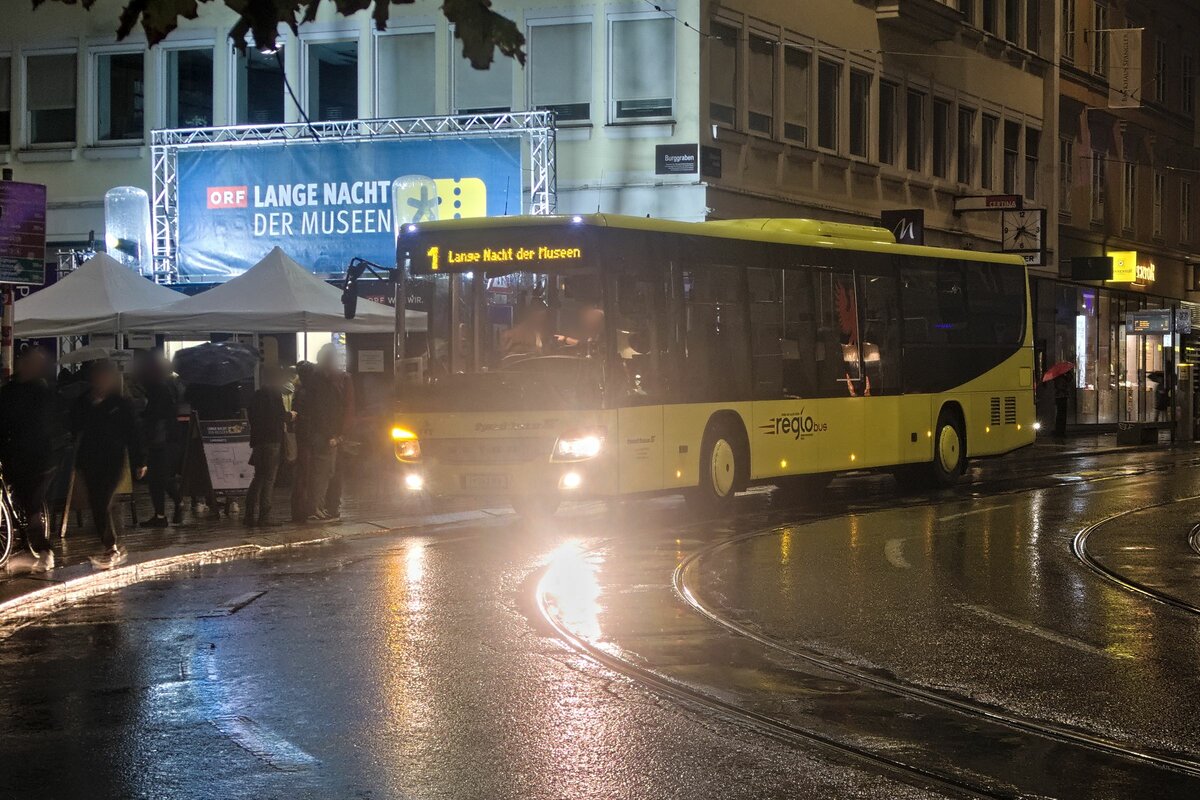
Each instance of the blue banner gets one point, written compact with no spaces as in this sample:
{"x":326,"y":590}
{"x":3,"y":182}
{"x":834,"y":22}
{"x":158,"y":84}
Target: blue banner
{"x":324,"y":203}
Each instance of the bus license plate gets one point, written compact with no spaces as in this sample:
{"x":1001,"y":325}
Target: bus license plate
{"x":485,"y":482}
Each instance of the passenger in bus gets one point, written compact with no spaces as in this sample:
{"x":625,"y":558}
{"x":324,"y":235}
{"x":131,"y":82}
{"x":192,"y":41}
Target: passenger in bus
{"x":528,"y":337}
{"x":589,"y":335}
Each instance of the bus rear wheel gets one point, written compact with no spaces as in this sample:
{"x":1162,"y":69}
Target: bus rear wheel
{"x":724,"y":465}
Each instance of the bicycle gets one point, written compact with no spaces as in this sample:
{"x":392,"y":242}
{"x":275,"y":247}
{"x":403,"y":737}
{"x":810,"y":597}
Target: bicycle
{"x":11,"y":519}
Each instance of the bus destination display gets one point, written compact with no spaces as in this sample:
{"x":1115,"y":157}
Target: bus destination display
{"x":498,"y":257}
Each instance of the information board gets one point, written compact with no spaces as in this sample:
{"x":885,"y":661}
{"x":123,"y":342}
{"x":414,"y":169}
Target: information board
{"x":1149,"y":322}
{"x":22,"y":232}
{"x":226,"y":446}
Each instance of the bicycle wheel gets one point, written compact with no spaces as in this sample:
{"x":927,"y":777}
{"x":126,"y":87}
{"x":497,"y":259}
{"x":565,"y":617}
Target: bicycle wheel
{"x":7,"y":532}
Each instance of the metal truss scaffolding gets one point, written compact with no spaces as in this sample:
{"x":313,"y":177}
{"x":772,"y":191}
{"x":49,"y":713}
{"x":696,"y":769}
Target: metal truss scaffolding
{"x":536,"y":126}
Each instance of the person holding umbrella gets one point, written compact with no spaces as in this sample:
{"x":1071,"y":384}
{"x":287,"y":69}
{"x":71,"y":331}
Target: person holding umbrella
{"x":1062,"y":394}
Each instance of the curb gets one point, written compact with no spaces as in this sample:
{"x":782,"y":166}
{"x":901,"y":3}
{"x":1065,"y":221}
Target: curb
{"x":20,"y":611}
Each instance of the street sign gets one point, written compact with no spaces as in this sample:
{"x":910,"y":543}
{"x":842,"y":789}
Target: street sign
{"x":22,"y":233}
{"x":1149,"y":322}
{"x":676,"y":159}
{"x":987,"y":202}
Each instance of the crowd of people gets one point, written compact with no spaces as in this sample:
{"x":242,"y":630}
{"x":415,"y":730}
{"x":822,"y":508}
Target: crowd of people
{"x":110,"y":428}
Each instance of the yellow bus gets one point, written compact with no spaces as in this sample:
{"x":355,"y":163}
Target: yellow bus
{"x":606,"y":356}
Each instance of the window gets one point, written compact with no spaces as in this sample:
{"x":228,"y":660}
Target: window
{"x":1066,"y":166}
{"x":188,"y":84}
{"x":1012,"y":156}
{"x":1160,"y":193}
{"x":332,"y":80}
{"x":946,"y":301}
{"x":889,"y":126}
{"x":259,"y":90}
{"x":966,"y":145}
{"x":839,"y":361}
{"x":50,"y":98}
{"x":1098,"y":178}
{"x":404,"y":74}
{"x":120,"y":97}
{"x":967,"y":9}
{"x":5,"y":101}
{"x":987,"y":152}
{"x":860,"y":112}
{"x":941,"y":138}
{"x":716,"y":363}
{"x":915,"y":130}
{"x":1012,"y":20}
{"x":766,"y":331}
{"x":645,"y":361}
{"x":880,"y":334}
{"x":1187,"y":84}
{"x":1068,"y":30}
{"x":723,"y":74}
{"x":829,"y":87}
{"x":799,"y":341}
{"x":1099,"y":40}
{"x":991,"y":17}
{"x":762,"y":85}
{"x":1129,"y":208}
{"x":795,"y":94}
{"x":1033,"y":142}
{"x":1160,"y":70}
{"x":482,"y":91}
{"x":643,"y":68}
{"x":560,"y":60}
{"x":1185,"y":211}
{"x":1033,"y":25}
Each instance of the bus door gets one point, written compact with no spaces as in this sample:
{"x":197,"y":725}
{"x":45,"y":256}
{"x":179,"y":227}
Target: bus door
{"x":639,"y":380}
{"x":839,"y":358}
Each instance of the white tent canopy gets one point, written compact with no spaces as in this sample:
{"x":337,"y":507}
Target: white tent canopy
{"x":96,"y":298}
{"x":276,"y":295}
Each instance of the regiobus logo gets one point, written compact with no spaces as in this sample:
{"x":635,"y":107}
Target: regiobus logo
{"x":227,"y":197}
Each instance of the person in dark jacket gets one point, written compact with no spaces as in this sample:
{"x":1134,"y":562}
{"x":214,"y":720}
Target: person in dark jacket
{"x":106,"y":431}
{"x":267,"y":417}
{"x":323,"y":415}
{"x":300,"y":473}
{"x":163,"y":436}
{"x":343,"y":384}
{"x":26,"y":424}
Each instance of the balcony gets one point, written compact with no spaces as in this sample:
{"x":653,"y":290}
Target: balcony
{"x":932,"y":20}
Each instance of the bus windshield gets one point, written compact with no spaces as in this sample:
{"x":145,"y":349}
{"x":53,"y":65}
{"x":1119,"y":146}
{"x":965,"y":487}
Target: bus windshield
{"x":513,"y":341}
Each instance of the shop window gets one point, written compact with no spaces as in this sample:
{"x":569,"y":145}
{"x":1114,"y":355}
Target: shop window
{"x":1129,"y":207}
{"x":1033,"y":142}
{"x":799,"y":349}
{"x":762,"y":86}
{"x":915,"y":129}
{"x":332,"y":80}
{"x":796,"y":94}
{"x":860,"y":112}
{"x":889,"y":122}
{"x":120,"y":97}
{"x":482,"y":91}
{"x":723,"y":74}
{"x":880,"y":334}
{"x":643,"y":68}
{"x":50,"y":98}
{"x":766,"y":332}
{"x":1068,"y":30}
{"x":259,"y":87}
{"x":941,"y":138}
{"x":560,"y":59}
{"x":1066,"y":166}
{"x":1012,"y":156}
{"x":5,"y":101}
{"x":188,"y":84}
{"x":717,"y":363}
{"x":829,"y":88}
{"x":966,"y":145}
{"x":987,"y":152}
{"x":405,"y":74}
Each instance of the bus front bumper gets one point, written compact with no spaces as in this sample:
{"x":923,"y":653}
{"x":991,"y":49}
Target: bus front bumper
{"x":581,"y":479}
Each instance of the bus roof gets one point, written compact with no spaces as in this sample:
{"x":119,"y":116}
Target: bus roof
{"x":798,"y":231}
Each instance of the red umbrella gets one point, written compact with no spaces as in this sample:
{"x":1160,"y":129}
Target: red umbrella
{"x":1061,"y":368}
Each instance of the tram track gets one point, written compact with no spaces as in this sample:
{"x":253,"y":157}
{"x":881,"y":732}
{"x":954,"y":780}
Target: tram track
{"x":1080,"y":550}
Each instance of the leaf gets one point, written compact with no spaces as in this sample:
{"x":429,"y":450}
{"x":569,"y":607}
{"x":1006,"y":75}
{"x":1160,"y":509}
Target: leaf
{"x":483,"y":31}
{"x":158,"y":17}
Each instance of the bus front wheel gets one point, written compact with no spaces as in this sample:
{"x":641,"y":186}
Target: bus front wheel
{"x":724,"y":465}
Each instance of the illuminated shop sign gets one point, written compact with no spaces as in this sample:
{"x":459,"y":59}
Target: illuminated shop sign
{"x":1127,"y":268}
{"x":325,"y":202}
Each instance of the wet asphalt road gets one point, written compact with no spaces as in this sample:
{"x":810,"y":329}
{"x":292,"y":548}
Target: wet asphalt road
{"x":878,"y":645}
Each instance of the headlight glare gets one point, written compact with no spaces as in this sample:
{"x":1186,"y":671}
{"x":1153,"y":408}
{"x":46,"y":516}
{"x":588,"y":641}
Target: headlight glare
{"x":407,"y":445}
{"x":579,"y":446}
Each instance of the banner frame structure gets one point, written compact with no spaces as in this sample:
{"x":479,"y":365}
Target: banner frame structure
{"x":536,"y":126}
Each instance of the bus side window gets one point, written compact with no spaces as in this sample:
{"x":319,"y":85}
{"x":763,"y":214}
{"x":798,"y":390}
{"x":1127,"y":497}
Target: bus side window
{"x":799,"y":345}
{"x":880,"y":333}
{"x":838,"y":360}
{"x":766,"y":332}
{"x":641,"y":341}
{"x":717,"y":365}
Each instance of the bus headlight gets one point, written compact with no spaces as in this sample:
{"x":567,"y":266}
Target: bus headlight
{"x":578,"y":446}
{"x":407,"y":445}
